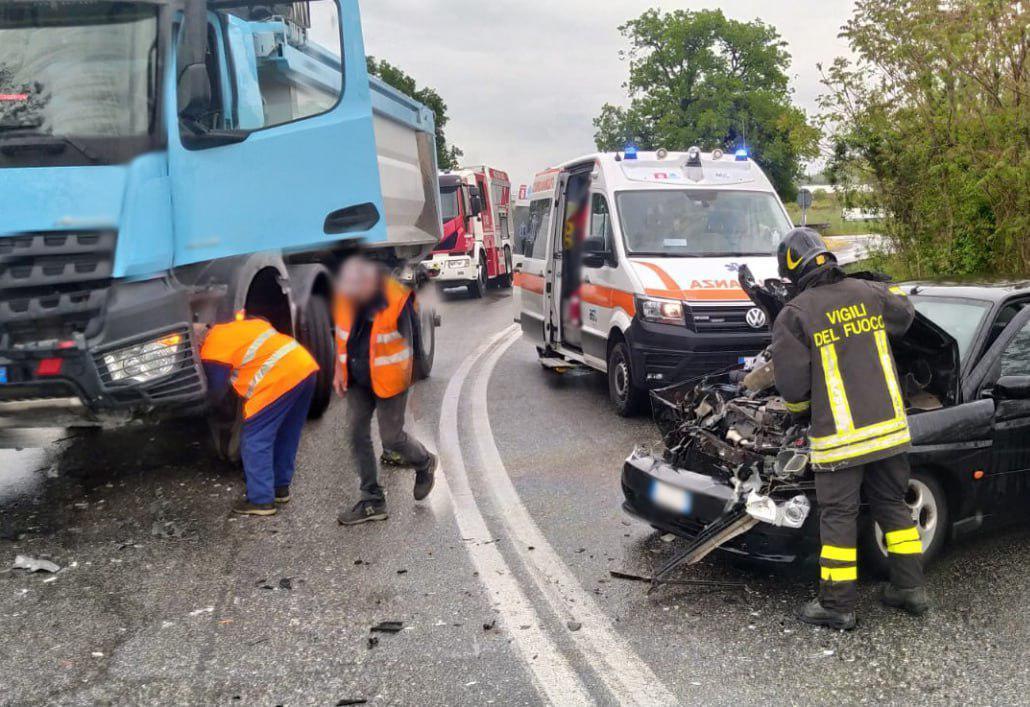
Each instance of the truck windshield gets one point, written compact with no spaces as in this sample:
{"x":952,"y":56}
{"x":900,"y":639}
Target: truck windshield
{"x":449,"y":209}
{"x":699,"y":223}
{"x":76,"y":79}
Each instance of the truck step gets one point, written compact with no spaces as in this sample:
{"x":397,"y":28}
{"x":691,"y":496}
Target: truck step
{"x":559,"y":365}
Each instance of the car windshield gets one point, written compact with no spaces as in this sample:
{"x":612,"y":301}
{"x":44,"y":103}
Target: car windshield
{"x":83,"y":69}
{"x":449,"y":203}
{"x":959,"y":317}
{"x":697,"y":223}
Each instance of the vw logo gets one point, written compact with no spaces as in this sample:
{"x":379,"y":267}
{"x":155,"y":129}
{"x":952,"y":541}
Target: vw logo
{"x":755,"y":318}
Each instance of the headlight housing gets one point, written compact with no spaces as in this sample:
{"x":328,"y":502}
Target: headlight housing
{"x":661,"y":311}
{"x":145,"y":362}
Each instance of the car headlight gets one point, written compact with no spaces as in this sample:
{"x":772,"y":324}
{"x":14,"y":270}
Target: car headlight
{"x":660,"y":311}
{"x":145,"y":362}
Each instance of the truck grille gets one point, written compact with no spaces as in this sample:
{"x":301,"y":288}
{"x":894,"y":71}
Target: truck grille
{"x":53,"y":285}
{"x":710,"y":319}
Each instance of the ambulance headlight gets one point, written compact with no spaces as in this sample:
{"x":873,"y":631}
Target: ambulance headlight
{"x":660,"y":311}
{"x":144,"y":362}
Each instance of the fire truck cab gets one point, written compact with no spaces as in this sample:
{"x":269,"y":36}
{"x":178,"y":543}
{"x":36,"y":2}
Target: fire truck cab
{"x":476,"y":249}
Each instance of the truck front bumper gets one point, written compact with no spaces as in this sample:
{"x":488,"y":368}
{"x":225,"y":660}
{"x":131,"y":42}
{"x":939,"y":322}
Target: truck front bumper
{"x":98,"y":368}
{"x":455,"y":269}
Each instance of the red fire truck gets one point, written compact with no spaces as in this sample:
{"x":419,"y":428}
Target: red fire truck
{"x":477,"y":241}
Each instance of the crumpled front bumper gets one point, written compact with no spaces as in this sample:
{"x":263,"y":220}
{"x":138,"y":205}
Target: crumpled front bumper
{"x":709,"y":497}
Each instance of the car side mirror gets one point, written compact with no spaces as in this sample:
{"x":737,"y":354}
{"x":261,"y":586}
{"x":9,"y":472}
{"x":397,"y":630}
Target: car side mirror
{"x":596,"y":253}
{"x":1012,"y":388}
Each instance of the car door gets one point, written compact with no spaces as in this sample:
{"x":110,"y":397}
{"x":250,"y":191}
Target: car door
{"x":531,"y":265}
{"x":301,"y":167}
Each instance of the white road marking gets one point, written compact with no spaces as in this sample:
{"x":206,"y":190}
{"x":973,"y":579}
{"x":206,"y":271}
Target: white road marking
{"x":629,"y":679}
{"x":555,"y":678}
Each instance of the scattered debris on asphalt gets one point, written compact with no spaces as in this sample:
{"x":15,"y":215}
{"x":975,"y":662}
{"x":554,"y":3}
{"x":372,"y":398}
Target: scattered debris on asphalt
{"x":24,"y":562}
{"x":355,"y":701}
{"x":402,"y":571}
{"x":668,"y":538}
{"x":373,"y":641}
{"x":488,"y":626}
{"x":388,"y":627}
{"x":689,"y":582}
{"x":167,"y":529}
{"x":574,"y":625}
{"x":205,"y":610}
{"x":286,"y":583}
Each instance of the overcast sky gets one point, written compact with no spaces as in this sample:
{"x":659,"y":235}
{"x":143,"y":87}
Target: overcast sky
{"x":523,"y":81}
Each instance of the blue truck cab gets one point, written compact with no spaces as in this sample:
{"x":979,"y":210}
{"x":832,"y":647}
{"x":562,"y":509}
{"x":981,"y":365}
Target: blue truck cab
{"x":165,"y":163}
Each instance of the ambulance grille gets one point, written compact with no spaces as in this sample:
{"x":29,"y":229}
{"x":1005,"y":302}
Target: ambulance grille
{"x":710,"y":319}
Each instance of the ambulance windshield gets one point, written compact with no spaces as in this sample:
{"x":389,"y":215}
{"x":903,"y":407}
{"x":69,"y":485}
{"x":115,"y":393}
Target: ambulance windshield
{"x":700,"y":223}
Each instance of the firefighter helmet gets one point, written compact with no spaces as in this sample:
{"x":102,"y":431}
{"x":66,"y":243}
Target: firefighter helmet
{"x":801,"y":250}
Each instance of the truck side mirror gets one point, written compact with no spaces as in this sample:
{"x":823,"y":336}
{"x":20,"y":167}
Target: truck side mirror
{"x":596,"y":253}
{"x":475,"y":201}
{"x":1012,"y":388}
{"x":194,"y":84}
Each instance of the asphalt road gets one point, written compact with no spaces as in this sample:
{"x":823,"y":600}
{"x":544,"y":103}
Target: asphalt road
{"x":501,"y":578}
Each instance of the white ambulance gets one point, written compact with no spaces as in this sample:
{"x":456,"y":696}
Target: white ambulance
{"x":627,"y":263}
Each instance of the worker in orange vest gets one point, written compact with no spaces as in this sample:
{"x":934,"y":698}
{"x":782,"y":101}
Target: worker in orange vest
{"x":275,"y":377}
{"x":375,"y":322}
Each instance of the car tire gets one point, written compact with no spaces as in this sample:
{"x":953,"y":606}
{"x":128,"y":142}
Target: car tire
{"x":316,"y":335}
{"x":929,"y":503}
{"x":425,"y":338}
{"x":627,"y":398}
{"x":477,"y":288}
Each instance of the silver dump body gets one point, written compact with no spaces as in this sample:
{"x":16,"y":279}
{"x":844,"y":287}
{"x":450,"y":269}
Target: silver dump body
{"x":406,"y":146}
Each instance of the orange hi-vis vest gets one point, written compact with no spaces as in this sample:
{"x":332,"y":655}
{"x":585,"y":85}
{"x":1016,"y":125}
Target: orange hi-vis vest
{"x":265,"y":364}
{"x":390,"y":356}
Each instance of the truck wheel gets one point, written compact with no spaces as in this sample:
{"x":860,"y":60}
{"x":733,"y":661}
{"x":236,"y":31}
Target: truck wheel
{"x":628,"y":399}
{"x":425,"y":351}
{"x":505,"y":280}
{"x":316,"y":334}
{"x":478,"y":286}
{"x":928,"y":503}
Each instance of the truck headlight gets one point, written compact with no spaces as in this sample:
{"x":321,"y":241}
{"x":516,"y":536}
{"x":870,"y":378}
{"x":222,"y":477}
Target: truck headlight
{"x":145,"y":362}
{"x":660,"y":311}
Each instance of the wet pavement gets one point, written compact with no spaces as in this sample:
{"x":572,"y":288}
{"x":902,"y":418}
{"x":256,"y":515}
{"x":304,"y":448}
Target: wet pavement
{"x":501,"y":578}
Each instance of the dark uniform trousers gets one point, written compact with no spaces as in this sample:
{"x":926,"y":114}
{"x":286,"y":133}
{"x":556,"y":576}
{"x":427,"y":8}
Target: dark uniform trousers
{"x":838,"y":493}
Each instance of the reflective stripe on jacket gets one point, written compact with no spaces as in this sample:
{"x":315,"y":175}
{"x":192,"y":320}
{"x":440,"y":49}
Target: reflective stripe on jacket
{"x":265,"y":364}
{"x":390,"y":355}
{"x":832,"y":356}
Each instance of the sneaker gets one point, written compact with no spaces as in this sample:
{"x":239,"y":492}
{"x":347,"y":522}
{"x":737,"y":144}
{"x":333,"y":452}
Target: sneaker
{"x":814,"y":613}
{"x":425,"y":478}
{"x":282,"y":494}
{"x":915,"y":601}
{"x":363,"y":512}
{"x":246,"y":508}
{"x":391,"y":458}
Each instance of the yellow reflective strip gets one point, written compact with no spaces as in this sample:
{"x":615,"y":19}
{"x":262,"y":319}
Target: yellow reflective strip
{"x":857,"y":450}
{"x":840,"y":554}
{"x":839,"y":574}
{"x":897,"y":290}
{"x":835,"y":390}
{"x":799,"y":407}
{"x":887,"y":363}
{"x":859,"y":435}
{"x":912,"y":547}
{"x":901,"y":536}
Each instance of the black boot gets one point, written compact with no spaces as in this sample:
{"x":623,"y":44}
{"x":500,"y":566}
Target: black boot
{"x":915,"y":601}
{"x":425,"y":478}
{"x":814,"y":613}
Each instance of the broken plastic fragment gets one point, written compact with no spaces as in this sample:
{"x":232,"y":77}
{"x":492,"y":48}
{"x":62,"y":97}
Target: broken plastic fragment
{"x":24,"y":562}
{"x":388,"y":626}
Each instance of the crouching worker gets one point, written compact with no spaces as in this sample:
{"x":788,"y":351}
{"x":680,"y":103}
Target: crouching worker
{"x":375,"y":324}
{"x":275,"y":377}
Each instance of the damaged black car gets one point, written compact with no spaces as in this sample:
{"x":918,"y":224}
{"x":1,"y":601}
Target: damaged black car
{"x":734,"y":475}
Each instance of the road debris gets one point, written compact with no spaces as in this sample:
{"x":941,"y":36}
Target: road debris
{"x":573,"y":625}
{"x":355,"y":701}
{"x":489,"y":625}
{"x":373,"y":641}
{"x":24,"y":562}
{"x":714,"y":583}
{"x":205,"y":610}
{"x":388,"y":627}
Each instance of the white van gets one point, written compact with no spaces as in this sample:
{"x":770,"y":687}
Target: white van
{"x":627,"y":263}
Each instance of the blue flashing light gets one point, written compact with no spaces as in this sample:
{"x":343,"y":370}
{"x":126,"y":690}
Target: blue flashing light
{"x":630,"y":153}
{"x":741,"y":154}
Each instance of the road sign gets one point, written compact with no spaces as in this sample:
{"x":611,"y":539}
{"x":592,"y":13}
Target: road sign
{"x":805,"y":202}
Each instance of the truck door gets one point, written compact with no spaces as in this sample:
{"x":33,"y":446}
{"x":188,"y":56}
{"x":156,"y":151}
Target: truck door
{"x":489,"y":220}
{"x":292,"y":164}
{"x":532,"y":264}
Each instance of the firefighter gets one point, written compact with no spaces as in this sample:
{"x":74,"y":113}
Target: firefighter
{"x":375,"y":328}
{"x":834,"y":366}
{"x":275,"y":377}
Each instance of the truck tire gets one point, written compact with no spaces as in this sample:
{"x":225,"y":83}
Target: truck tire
{"x":506,"y":279}
{"x":477,"y":288}
{"x":316,"y":334}
{"x":929,"y":503}
{"x":625,"y":396}
{"x":425,"y":340}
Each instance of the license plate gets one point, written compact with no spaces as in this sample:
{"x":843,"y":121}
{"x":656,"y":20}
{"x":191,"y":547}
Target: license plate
{"x":671,"y":498}
{"x":3,"y":374}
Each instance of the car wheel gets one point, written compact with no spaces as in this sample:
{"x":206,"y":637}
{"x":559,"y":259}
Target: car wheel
{"x":478,"y":286}
{"x":316,"y":334}
{"x":928,"y":504}
{"x":627,"y":398}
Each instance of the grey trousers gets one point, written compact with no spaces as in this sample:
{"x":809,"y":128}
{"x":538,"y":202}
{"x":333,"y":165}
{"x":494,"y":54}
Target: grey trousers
{"x":361,"y":404}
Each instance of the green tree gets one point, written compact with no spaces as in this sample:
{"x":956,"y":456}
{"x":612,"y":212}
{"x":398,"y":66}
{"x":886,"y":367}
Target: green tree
{"x":447,"y":156}
{"x":698,"y":78}
{"x":931,"y":122}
